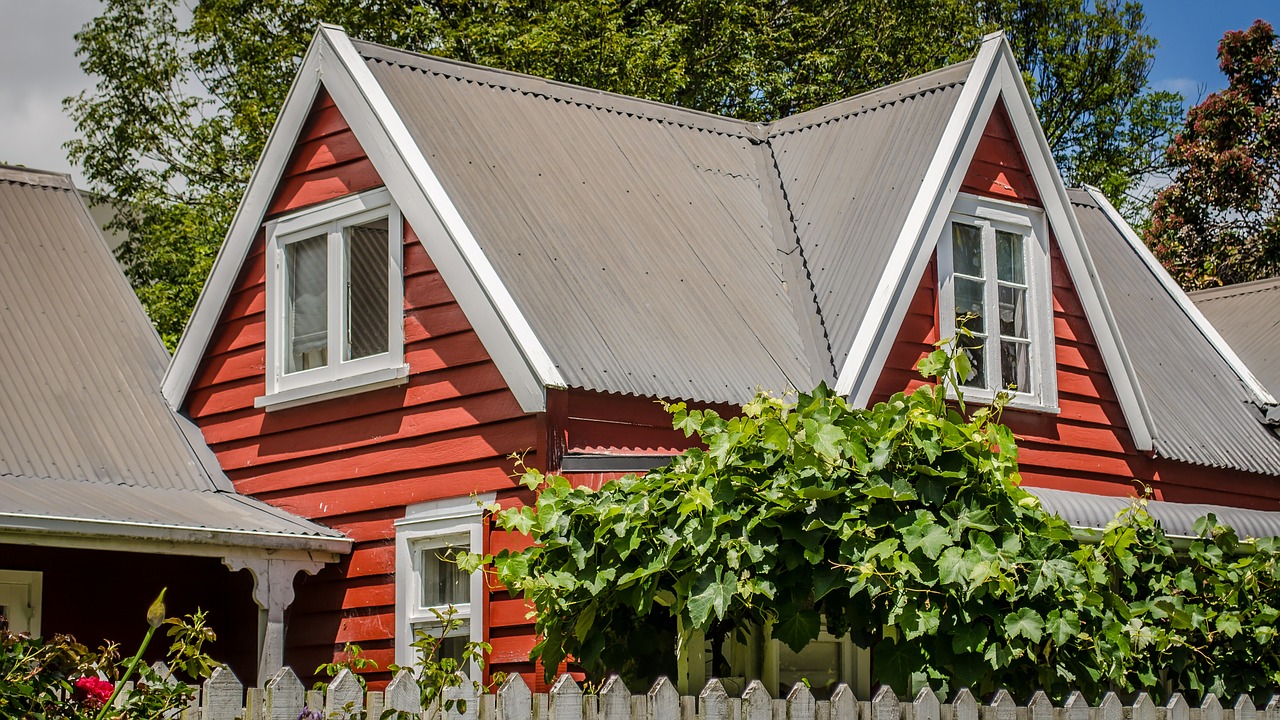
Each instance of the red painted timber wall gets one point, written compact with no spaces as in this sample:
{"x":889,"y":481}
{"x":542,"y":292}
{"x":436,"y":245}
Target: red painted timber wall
{"x":355,"y":463}
{"x":1087,"y":447}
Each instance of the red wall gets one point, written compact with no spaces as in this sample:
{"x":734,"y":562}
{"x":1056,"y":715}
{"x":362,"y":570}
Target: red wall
{"x":355,"y":463}
{"x":1087,"y":447}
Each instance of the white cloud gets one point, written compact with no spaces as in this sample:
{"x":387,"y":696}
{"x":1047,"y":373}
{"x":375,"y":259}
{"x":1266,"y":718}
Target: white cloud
{"x":38,"y":68}
{"x":1192,"y":90}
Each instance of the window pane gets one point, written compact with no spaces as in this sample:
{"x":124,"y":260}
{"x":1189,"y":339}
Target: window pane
{"x":1010,"y":266}
{"x":972,"y":348}
{"x":442,"y":582}
{"x":818,"y":662}
{"x":450,"y":647}
{"x":969,"y":310}
{"x":307,"y":320}
{"x":966,"y":249}
{"x":1013,"y":312}
{"x":367,"y":289}
{"x":1015,"y":366}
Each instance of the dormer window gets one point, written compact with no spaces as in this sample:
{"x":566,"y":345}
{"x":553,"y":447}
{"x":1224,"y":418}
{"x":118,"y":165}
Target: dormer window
{"x":995,"y":283}
{"x":335,"y":298}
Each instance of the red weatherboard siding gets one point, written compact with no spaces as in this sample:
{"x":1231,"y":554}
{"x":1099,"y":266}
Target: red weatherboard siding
{"x":1087,"y":446}
{"x":354,"y":463}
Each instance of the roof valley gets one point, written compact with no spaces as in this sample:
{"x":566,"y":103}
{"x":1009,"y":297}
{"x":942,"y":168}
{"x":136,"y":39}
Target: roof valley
{"x":801,"y":289}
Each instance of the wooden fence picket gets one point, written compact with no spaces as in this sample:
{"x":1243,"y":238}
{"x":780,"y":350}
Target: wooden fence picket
{"x":222,"y":697}
{"x":844,"y":704}
{"x":343,"y":695}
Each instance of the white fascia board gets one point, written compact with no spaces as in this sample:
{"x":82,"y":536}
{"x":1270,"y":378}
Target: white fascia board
{"x":244,"y":228}
{"x":915,"y":243}
{"x":994,"y":76}
{"x":1066,"y":229}
{"x":163,"y":539}
{"x":1260,"y":393}
{"x":498,"y":321}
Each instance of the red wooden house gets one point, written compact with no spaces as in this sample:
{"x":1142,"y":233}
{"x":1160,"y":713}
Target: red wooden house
{"x":437,"y":265}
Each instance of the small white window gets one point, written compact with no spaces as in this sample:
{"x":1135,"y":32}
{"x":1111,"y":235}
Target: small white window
{"x":20,"y":600}
{"x":335,"y":299}
{"x":993,"y":268}
{"x":428,"y":582}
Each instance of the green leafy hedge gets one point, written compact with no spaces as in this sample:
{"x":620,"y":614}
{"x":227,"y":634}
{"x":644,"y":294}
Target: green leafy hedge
{"x":905,"y":516}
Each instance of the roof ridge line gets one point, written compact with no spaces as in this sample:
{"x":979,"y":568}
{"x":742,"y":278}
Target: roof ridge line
{"x":1222,"y":292}
{"x":816,"y":338}
{"x":867,"y":102}
{"x":572,"y":93}
{"x":36,"y":177}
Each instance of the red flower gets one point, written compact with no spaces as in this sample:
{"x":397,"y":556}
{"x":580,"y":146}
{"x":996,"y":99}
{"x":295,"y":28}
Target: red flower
{"x":94,"y":692}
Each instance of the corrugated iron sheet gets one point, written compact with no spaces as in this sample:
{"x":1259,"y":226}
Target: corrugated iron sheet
{"x":632,"y":234}
{"x":147,"y":512}
{"x":851,"y":171}
{"x":640,"y":238}
{"x":653,"y":249}
{"x":1247,"y":315}
{"x":81,"y":415}
{"x":1083,"y":510}
{"x":1202,"y":411}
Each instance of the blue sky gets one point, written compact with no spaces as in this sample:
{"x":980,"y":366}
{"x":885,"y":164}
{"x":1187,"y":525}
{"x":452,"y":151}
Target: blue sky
{"x":1189,"y":30}
{"x":38,"y":66}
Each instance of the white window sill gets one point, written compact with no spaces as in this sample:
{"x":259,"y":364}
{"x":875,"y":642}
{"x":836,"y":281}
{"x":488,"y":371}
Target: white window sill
{"x":978,"y":396}
{"x":336,"y":388}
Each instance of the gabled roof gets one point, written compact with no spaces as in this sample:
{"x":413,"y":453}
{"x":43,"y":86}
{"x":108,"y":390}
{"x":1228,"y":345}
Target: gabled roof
{"x":1248,"y":316}
{"x":1203,"y":399}
{"x":615,"y":244}
{"x":88,"y":446}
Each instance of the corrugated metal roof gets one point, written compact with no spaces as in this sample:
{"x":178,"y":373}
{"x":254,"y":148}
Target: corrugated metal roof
{"x":851,"y":171}
{"x":1083,"y":510}
{"x":1247,"y":315}
{"x":1202,"y":411}
{"x":663,"y":252}
{"x":80,"y":403}
{"x":650,"y":246}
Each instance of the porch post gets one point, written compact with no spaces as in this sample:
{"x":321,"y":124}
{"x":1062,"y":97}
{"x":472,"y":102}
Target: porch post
{"x":273,"y":593}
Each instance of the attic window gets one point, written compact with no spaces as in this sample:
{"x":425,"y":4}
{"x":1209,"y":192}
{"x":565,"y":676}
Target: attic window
{"x":993,"y":267}
{"x":335,"y":298}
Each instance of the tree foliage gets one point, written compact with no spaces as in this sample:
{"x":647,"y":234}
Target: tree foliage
{"x":183,"y":105}
{"x":903,"y":525}
{"x":1218,"y":222}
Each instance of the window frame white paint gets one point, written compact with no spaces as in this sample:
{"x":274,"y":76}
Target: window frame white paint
{"x":339,"y":376}
{"x":991,"y":215}
{"x":33,"y":580}
{"x":452,"y":521}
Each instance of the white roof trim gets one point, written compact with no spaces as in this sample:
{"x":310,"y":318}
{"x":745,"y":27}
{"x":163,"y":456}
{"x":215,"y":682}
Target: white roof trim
{"x":994,"y":75}
{"x":163,"y":538}
{"x":506,"y":334}
{"x":911,"y":250}
{"x":244,"y":228}
{"x":1259,"y":391}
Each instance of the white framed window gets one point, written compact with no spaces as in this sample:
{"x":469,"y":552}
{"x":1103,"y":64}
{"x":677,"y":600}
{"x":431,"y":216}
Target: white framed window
{"x":21,"y":598}
{"x":428,"y":582}
{"x":994,"y":277}
{"x":335,"y":300}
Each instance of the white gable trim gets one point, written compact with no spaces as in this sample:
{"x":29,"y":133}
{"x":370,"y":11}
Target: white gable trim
{"x":506,"y":334}
{"x":244,"y":228}
{"x":994,"y":75}
{"x":1260,"y":393}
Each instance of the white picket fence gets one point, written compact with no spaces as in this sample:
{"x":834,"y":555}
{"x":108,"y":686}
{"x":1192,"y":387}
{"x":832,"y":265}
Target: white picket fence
{"x":222,"y":697}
